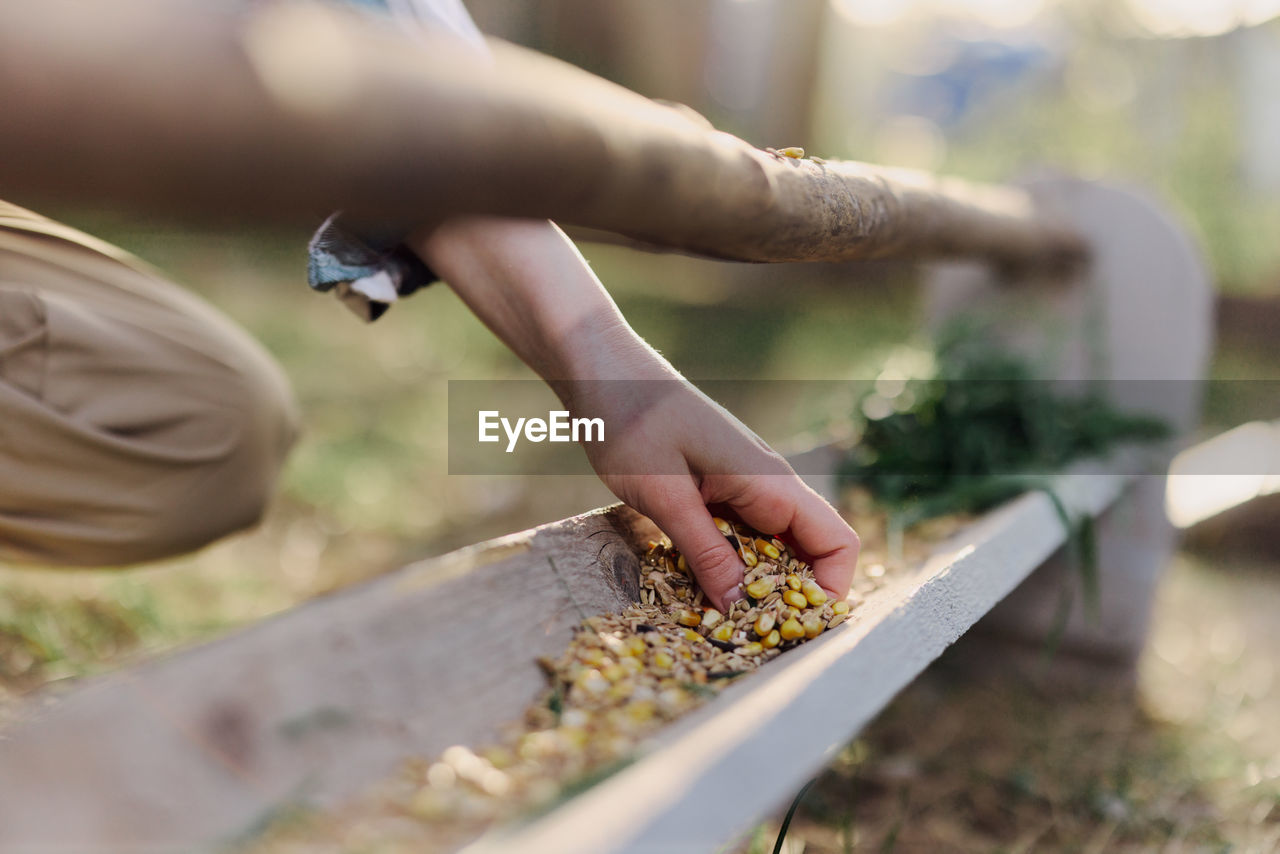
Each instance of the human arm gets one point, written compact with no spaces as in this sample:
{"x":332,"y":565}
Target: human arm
{"x":678,"y":451}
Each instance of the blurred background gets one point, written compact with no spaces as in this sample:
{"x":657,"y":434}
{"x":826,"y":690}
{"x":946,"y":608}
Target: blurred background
{"x":1179,"y":96}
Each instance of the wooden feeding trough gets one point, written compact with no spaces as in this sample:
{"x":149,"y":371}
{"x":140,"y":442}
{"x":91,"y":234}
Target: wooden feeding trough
{"x":190,"y":751}
{"x":311,"y":705}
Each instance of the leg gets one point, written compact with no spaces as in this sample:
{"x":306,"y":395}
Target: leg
{"x":135,"y":421}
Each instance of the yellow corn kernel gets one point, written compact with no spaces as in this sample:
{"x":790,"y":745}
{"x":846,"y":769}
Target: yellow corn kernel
{"x":749,"y":558}
{"x":760,"y":588}
{"x":692,"y":637}
{"x":636,"y":645}
{"x":663,"y":659}
{"x":793,"y":581}
{"x":614,"y":672}
{"x":688,"y":618}
{"x":841,"y":607}
{"x":642,"y":711}
{"x":791,"y":629}
{"x":814,"y":593}
{"x":764,"y":624}
{"x":793,"y":151}
{"x":725,"y":527}
{"x":722,"y":632}
{"x":768,"y":549}
{"x":752,"y":648}
{"x":795,"y":599}
{"x":711,"y":618}
{"x":591,"y":681}
{"x":499,"y":757}
{"x":574,"y":737}
{"x":771,"y":640}
{"x":682,"y":565}
{"x":813,"y":626}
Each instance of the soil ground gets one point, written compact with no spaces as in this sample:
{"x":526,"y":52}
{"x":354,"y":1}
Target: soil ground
{"x":975,"y":757}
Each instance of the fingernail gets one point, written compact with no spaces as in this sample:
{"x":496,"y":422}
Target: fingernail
{"x":734,"y":594}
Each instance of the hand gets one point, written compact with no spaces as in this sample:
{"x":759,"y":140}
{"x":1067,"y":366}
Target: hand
{"x":671,"y":451}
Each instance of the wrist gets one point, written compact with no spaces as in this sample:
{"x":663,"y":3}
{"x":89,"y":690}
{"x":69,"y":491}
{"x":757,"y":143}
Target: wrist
{"x":604,"y":347}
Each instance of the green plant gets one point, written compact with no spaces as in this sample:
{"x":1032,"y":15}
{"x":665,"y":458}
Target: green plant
{"x":978,"y":428}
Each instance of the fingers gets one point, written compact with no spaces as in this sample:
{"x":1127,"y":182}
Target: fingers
{"x":686,"y":520}
{"x":778,"y":504}
{"x":768,"y":504}
{"x":819,"y":531}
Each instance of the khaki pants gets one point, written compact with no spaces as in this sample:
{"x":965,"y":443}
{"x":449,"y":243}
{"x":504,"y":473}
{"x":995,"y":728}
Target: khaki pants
{"x":136,"y":422}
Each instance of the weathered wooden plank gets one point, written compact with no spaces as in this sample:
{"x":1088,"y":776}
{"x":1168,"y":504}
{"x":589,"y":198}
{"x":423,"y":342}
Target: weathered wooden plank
{"x":712,"y":775}
{"x":311,"y":704}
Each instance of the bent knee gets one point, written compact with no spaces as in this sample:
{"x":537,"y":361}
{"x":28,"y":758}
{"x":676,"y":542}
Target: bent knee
{"x":228,"y":484}
{"x":131,"y":453}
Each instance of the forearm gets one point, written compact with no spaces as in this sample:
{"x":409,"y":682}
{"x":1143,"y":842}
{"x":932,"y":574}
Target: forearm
{"x":529,"y":284}
{"x":283,"y":110}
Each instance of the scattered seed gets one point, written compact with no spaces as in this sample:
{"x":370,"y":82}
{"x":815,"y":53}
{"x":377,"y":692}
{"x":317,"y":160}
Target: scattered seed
{"x":625,"y":675}
{"x":685,"y":617}
{"x":767,"y":549}
{"x":791,"y":629}
{"x":813,"y":592}
{"x":795,"y":599}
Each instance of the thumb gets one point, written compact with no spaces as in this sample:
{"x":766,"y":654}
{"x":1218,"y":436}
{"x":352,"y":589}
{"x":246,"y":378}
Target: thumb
{"x":715,"y":563}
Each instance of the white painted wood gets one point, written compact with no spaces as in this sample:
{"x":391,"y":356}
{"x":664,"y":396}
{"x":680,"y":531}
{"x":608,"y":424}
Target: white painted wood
{"x":711,"y":776}
{"x":1139,"y":319}
{"x":1224,"y":472}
